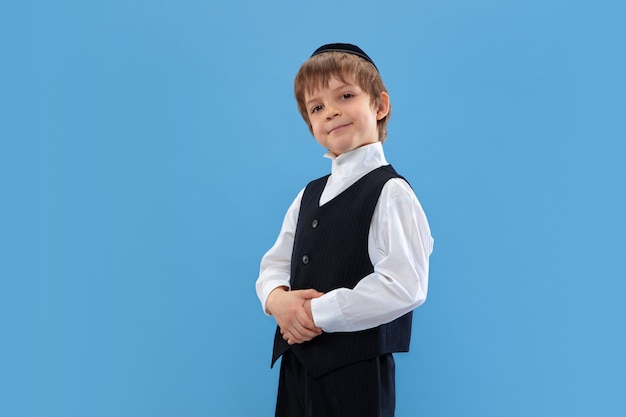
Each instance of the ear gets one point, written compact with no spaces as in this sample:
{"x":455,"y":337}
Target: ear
{"x":383,"y":106}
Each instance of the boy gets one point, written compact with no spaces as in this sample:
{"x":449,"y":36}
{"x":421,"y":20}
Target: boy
{"x":351,"y":260}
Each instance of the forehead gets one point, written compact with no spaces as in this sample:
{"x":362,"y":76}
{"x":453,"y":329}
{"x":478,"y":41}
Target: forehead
{"x":321,"y":82}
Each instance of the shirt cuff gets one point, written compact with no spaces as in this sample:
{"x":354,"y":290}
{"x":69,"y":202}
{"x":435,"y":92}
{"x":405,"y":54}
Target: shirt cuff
{"x":327,"y":314}
{"x":267,"y":288}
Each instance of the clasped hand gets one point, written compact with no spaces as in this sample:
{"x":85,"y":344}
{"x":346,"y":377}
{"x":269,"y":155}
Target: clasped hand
{"x":292,"y":312}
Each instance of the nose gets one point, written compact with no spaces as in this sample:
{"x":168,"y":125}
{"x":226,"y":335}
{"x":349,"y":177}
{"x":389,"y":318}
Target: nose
{"x":331,"y":112}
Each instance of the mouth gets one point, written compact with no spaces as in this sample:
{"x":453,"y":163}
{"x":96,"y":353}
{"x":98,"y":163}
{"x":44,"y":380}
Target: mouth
{"x":337,"y":128}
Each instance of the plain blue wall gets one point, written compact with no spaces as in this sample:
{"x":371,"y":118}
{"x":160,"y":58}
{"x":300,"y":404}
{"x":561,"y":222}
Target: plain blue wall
{"x":148,"y":151}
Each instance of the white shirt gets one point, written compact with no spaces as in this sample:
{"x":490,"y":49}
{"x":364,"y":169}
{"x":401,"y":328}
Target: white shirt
{"x":399,"y":244}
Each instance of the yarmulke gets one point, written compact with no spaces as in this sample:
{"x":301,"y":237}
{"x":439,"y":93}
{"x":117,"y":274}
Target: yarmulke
{"x":344,"y":47}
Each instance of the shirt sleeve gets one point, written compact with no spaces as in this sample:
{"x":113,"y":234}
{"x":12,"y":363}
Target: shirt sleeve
{"x":399,"y":245}
{"x":275,"y":270}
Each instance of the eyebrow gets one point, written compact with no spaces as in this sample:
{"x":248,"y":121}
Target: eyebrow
{"x":315,"y":98}
{"x":311,"y":101}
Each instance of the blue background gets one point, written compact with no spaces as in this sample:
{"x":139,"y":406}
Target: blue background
{"x":149,"y":149}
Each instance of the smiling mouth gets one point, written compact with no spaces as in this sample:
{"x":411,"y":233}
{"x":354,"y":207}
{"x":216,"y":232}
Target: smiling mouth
{"x":334,"y":129}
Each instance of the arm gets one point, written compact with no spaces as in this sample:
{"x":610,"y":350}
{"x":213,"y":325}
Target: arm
{"x":275,"y":268}
{"x":291,"y":309}
{"x":399,"y":245}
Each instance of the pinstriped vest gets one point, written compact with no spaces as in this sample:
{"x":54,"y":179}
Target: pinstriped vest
{"x":331,"y":251}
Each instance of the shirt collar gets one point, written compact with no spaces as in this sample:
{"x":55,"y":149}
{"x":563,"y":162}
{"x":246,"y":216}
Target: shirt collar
{"x":357,"y":161}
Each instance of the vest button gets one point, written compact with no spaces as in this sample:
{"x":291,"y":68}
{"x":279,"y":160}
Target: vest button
{"x":305,"y":259}
{"x":314,"y":223}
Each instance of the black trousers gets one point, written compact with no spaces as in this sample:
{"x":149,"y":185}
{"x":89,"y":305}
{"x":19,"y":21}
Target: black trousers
{"x":363,"y":389}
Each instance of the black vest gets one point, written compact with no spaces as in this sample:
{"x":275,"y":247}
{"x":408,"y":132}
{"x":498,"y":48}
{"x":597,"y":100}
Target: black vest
{"x":330,"y":251}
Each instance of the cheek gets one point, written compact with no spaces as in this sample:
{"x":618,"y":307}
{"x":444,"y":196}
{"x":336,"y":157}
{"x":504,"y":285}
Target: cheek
{"x":316,"y":128}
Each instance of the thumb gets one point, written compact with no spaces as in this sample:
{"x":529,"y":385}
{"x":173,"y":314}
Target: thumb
{"x":312,"y":293}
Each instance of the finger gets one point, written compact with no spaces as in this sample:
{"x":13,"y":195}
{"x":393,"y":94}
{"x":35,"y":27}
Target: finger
{"x":311,"y":293}
{"x":302,"y":334}
{"x":294,"y":333}
{"x":292,"y":340}
{"x":289,"y":338}
{"x":302,"y":339}
{"x":307,"y":323}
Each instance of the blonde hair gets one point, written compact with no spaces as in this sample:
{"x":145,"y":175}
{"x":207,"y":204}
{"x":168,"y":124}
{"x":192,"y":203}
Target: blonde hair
{"x":317,"y":71}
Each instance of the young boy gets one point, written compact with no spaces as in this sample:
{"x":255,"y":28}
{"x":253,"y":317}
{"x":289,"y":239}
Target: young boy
{"x":351,"y":260}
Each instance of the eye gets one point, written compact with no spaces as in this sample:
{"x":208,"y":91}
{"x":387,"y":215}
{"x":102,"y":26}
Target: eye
{"x":317,"y":108}
{"x":347,"y":96}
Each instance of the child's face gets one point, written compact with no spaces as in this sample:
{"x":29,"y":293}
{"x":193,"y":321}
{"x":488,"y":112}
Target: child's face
{"x":343,"y":116}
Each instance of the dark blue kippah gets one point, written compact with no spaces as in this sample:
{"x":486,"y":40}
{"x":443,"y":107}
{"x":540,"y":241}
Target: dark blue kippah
{"x":344,"y":47}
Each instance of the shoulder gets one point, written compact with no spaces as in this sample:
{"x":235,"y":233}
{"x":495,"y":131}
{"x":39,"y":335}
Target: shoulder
{"x":396,"y":182}
{"x":398,"y":187}
{"x":398,"y":192}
